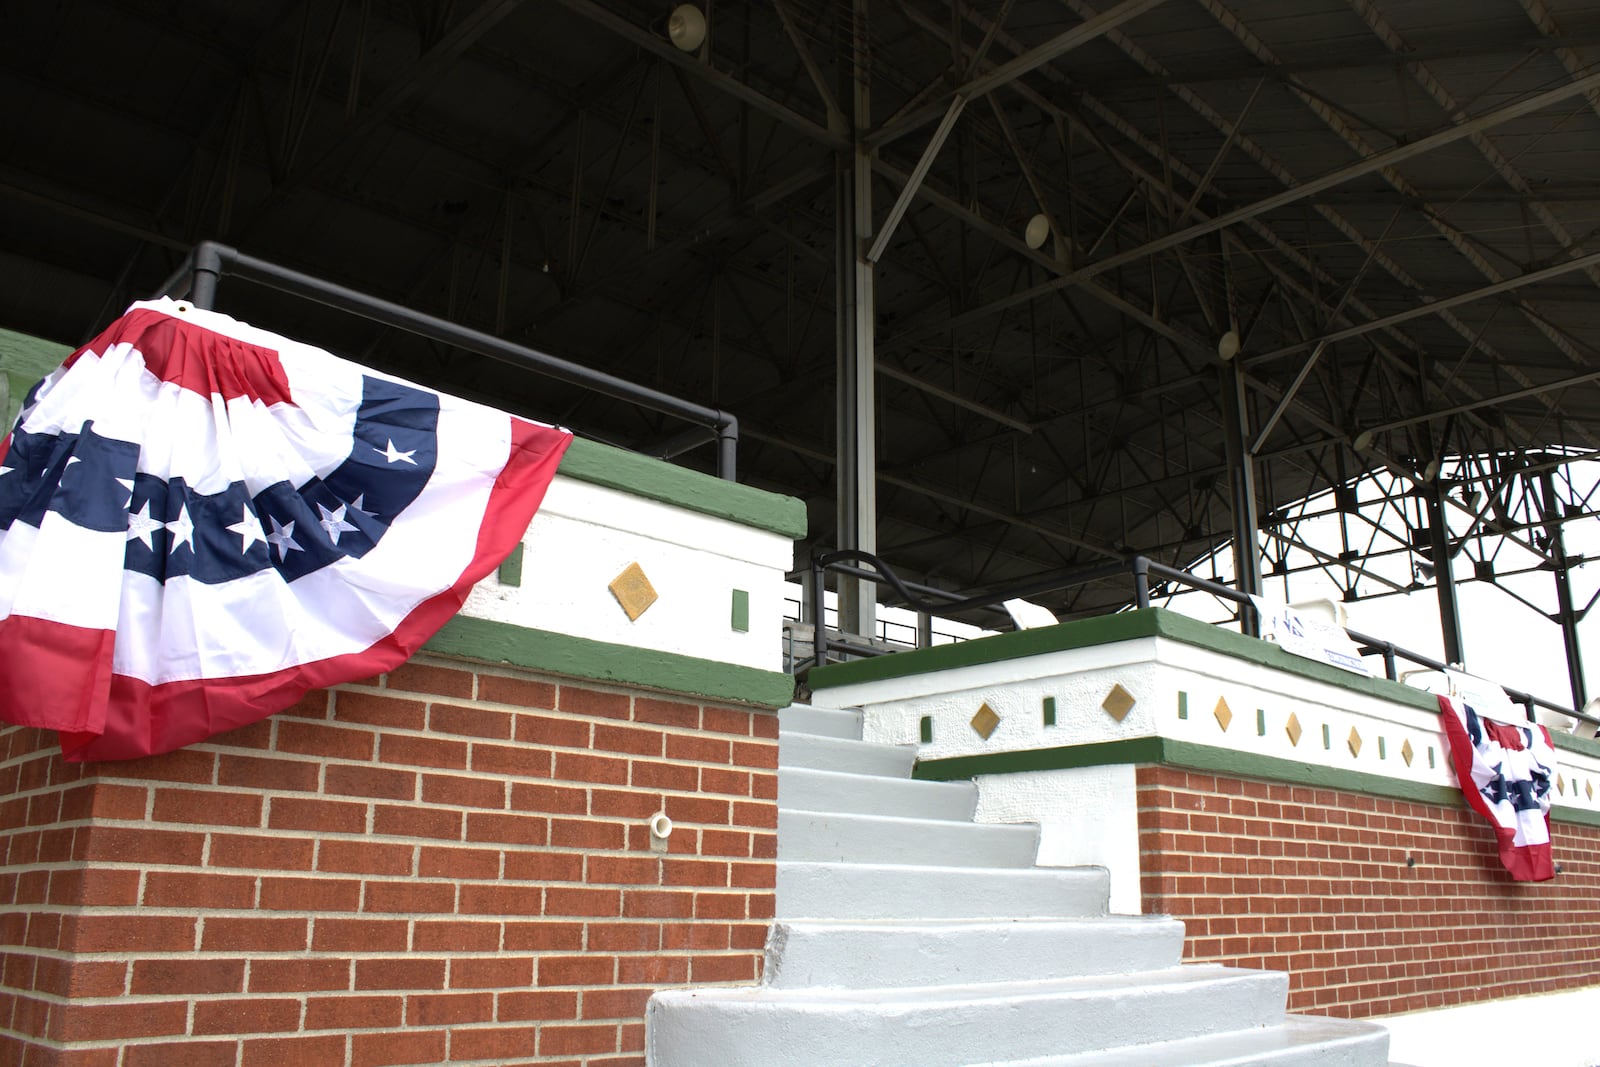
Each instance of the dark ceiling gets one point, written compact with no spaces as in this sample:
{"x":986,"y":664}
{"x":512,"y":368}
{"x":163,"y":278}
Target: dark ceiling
{"x":1325,"y":178}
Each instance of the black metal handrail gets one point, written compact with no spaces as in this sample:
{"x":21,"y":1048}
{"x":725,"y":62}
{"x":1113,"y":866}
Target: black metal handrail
{"x":1142,"y":570}
{"x":208,"y":261}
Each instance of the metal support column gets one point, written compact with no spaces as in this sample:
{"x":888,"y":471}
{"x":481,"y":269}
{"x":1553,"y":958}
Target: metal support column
{"x":1566,"y":611}
{"x":1443,"y":576}
{"x":1241,"y":490}
{"x":856,"y":466}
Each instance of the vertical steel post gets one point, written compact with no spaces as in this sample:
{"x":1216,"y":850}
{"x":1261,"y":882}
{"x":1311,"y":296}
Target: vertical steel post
{"x":1241,"y":492}
{"x":1443,"y":578}
{"x":1566,"y":611}
{"x":856,"y":464}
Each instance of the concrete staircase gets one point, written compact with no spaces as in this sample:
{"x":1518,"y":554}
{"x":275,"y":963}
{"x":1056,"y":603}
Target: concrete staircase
{"x":906,"y":934}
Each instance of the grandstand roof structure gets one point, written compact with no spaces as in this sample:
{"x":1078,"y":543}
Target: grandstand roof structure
{"x":1000,"y":288}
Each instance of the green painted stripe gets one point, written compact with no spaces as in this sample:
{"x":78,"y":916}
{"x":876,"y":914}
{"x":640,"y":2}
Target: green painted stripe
{"x":601,"y":661}
{"x":1105,"y":630}
{"x":616,"y":468}
{"x":1209,"y":759}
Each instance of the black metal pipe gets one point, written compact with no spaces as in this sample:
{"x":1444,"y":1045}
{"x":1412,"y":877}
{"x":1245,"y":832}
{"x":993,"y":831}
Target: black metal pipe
{"x":210,"y":260}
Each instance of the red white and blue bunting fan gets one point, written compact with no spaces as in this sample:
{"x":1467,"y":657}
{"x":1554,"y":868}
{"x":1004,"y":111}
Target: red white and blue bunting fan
{"x":200,"y":521}
{"x":1506,"y":773}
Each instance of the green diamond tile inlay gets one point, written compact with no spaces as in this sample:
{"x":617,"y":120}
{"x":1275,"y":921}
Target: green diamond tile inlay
{"x":1261,"y":722}
{"x":1183,"y":704}
{"x":741,"y":611}
{"x":1049,"y":711}
{"x":927,"y":729}
{"x":1327,"y":742}
{"x":1430,"y":757}
{"x":1383,"y":749}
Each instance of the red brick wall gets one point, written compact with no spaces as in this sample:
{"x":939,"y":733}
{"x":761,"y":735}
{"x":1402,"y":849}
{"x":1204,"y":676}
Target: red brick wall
{"x":440,"y":865}
{"x":1315,"y":882}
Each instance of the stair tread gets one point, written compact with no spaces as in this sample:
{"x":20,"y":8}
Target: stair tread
{"x":1236,"y":1048}
{"x":925,"y":997}
{"x":791,"y":746}
{"x":814,"y":789}
{"x":815,"y":721}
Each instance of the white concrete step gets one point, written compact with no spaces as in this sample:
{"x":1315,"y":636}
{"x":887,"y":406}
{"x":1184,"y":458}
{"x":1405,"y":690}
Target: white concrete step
{"x":835,"y":837}
{"x":843,"y":754}
{"x":873,"y":892}
{"x":824,"y":722}
{"x":1299,"y":1041}
{"x":804,"y":789}
{"x":879,"y":955}
{"x":955,"y":1025}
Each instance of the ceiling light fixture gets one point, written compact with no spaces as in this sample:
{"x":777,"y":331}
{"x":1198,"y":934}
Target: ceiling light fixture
{"x":686,"y":27}
{"x":1038,"y":231}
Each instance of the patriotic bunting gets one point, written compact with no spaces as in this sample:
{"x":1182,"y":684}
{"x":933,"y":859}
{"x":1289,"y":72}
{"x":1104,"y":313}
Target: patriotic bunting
{"x":200,"y":521}
{"x":1506,"y":773}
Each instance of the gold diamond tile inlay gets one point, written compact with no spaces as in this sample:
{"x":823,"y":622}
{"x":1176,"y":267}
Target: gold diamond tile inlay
{"x":1561,"y":785}
{"x":986,"y":721}
{"x":633,"y":591}
{"x":1223,"y":713}
{"x":1292,"y":728}
{"x":1118,"y":702}
{"x":1407,"y":751}
{"x":1355,"y":742}
{"x":1589,"y":788}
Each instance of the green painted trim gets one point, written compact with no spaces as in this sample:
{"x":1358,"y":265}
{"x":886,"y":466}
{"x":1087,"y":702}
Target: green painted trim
{"x":23,"y":361}
{"x":26,"y":359}
{"x":601,"y":661}
{"x":1105,"y":630}
{"x":616,"y":468}
{"x":1587,"y":746}
{"x":741,"y":611}
{"x":511,"y":567}
{"x":1561,"y":813}
{"x":1049,"y":711}
{"x":1209,"y":759}
{"x":1064,"y":757}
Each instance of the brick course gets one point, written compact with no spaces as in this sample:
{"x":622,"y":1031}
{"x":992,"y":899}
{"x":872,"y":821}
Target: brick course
{"x":446,"y":864}
{"x":1315,"y":882}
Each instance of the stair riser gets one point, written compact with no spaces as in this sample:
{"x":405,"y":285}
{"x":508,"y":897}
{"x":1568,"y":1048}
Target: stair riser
{"x":809,"y":790}
{"x":855,"y":892}
{"x":950,"y":1033}
{"x":821,"y":837}
{"x":838,"y":754}
{"x":803,"y":955}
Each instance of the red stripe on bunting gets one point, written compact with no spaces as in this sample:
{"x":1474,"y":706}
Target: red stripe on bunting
{"x":144,"y":719}
{"x":195,"y":358}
